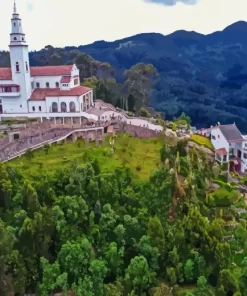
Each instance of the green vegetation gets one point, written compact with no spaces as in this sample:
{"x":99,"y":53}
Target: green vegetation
{"x":203,"y":141}
{"x":224,"y":198}
{"x":18,"y":121}
{"x":99,"y":222}
{"x":128,"y":151}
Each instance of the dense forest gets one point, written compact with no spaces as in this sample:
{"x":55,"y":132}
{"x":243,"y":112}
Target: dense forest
{"x":95,"y":233}
{"x":201,"y":75}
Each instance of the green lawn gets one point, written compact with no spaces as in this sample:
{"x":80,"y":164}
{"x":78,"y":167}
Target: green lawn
{"x":142,"y":155}
{"x":200,"y":140}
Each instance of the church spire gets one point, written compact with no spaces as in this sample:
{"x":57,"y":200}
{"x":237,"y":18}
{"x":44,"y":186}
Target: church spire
{"x":17,"y":38}
{"x":14,"y":11}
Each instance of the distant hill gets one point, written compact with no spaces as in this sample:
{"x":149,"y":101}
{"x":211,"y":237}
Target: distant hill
{"x":202,"y":75}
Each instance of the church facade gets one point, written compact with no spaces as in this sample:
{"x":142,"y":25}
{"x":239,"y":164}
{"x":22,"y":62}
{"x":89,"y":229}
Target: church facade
{"x":45,"y":92}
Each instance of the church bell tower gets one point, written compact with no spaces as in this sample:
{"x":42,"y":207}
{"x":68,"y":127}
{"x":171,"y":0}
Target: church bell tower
{"x":19,"y":59}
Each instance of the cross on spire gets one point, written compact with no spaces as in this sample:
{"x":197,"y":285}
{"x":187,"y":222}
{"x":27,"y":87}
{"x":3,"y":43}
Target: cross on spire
{"x":14,"y":7}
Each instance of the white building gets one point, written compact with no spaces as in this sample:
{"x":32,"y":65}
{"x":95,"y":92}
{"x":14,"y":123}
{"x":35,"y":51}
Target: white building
{"x":230,"y":145}
{"x":44,"y":92}
{"x":49,"y":92}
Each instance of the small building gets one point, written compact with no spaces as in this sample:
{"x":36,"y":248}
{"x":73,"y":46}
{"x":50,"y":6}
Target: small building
{"x":230,"y":146}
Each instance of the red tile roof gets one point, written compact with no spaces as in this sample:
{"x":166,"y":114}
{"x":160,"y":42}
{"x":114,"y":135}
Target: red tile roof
{"x":221,"y":151}
{"x":65,"y":79}
{"x":51,"y":70}
{"x":39,"y":94}
{"x":5,"y":73}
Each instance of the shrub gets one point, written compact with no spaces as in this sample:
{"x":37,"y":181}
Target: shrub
{"x":224,"y":198}
{"x":138,"y":168}
{"x":29,"y":154}
{"x":144,"y":113}
{"x":203,"y":141}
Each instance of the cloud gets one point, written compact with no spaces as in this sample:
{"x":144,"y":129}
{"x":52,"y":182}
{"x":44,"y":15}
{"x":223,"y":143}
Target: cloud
{"x":172,"y":2}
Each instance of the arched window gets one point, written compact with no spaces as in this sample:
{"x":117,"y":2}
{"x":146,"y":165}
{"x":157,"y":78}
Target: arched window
{"x":54,"y":107}
{"x":37,"y":85}
{"x":15,"y":38}
{"x":72,"y":107}
{"x":63,"y":107}
{"x":17,"y":67}
{"x":33,"y":108}
{"x":26,"y":66}
{"x":14,"y":24}
{"x":47,"y":84}
{"x":40,"y":109}
{"x":22,"y":38}
{"x":57,"y":84}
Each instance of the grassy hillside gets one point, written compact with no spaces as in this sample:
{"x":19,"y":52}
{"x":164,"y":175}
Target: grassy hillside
{"x":142,"y":155}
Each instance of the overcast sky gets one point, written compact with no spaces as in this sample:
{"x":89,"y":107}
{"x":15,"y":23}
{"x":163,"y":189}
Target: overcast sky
{"x":77,"y":22}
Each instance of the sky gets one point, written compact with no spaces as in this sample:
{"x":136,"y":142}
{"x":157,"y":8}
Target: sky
{"x":78,"y":22}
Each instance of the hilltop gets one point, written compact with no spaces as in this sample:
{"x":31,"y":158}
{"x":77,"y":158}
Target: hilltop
{"x":203,"y":75}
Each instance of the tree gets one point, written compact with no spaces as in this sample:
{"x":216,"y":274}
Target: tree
{"x":86,"y":65}
{"x":74,"y":258}
{"x":189,"y":270}
{"x":156,"y":233}
{"x":202,"y":288}
{"x":184,"y":119}
{"x":7,"y":241}
{"x":140,"y":80}
{"x":139,"y":274}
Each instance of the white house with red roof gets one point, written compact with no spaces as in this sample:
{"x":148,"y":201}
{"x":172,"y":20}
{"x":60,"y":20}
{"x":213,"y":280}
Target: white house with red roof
{"x":230,"y":146}
{"x":45,"y":92}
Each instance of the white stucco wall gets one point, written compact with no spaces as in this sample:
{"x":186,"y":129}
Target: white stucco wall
{"x":75,"y":81}
{"x":7,"y":82}
{"x":66,"y":86}
{"x":75,"y":71}
{"x":14,"y":105}
{"x":219,"y":141}
{"x":19,"y":54}
{"x":37,"y":105}
{"x":43,"y":79}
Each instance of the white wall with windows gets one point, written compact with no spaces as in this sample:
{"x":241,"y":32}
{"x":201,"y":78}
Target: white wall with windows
{"x":14,"y":105}
{"x":218,"y":140}
{"x":46,"y":81}
{"x":36,"y":106}
{"x":63,"y":104}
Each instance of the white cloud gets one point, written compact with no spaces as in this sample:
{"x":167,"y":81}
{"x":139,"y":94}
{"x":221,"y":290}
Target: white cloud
{"x":77,"y":22}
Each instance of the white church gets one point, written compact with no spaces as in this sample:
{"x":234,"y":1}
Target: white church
{"x":50,"y":92}
{"x":42,"y":92}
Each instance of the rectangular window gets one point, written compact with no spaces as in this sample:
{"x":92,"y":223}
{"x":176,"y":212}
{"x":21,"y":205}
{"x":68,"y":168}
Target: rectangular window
{"x":40,"y":108}
{"x":37,"y":85}
{"x":245,"y":155}
{"x":213,"y":137}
